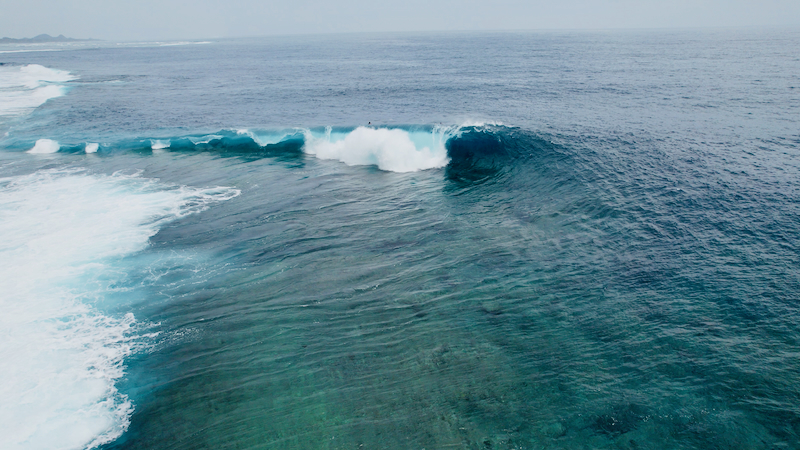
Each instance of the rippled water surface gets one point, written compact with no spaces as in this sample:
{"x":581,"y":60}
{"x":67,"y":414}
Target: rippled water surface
{"x":522,"y":241}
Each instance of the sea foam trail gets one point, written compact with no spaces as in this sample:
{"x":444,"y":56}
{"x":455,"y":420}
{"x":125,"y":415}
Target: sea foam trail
{"x":392,"y":149}
{"x":24,"y":88}
{"x":64,"y":236}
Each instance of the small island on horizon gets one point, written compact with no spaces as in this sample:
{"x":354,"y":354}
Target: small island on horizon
{"x":42,"y":38}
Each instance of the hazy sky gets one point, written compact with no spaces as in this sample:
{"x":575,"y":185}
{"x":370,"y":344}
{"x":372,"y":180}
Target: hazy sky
{"x":192,"y":19}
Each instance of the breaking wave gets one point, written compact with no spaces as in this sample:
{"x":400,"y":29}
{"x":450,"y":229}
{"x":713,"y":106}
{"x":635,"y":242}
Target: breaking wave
{"x":394,"y":149}
{"x":391,"y":149}
{"x":24,"y":88}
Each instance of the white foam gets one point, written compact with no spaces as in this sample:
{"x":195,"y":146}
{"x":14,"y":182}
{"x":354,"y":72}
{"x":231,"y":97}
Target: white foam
{"x":43,"y":146}
{"x":480,"y":123}
{"x":24,"y":88}
{"x":64,"y":236}
{"x":267,"y":138}
{"x":92,"y":147}
{"x":204,"y":139}
{"x":171,"y":44}
{"x":156,"y":144}
{"x":32,"y":50}
{"x":391,"y":149}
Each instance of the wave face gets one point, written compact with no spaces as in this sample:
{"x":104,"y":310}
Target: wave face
{"x":24,"y":88}
{"x":65,"y":233}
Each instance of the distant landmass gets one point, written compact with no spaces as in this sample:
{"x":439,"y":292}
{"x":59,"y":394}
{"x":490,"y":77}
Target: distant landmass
{"x":42,"y":38}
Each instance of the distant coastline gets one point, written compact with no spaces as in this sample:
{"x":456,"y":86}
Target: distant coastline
{"x":42,"y":38}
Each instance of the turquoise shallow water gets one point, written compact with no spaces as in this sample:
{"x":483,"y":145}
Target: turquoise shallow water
{"x":582,"y":240}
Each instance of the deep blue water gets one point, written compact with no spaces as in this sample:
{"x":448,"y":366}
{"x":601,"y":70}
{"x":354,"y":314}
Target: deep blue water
{"x":535,"y":240}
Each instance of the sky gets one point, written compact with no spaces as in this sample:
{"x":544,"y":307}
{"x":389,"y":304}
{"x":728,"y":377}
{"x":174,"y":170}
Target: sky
{"x":126,"y":20}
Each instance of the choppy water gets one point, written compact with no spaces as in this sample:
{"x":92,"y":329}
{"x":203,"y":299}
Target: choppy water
{"x":542,"y":240}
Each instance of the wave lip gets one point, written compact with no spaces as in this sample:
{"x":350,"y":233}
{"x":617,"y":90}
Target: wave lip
{"x":65,"y":234}
{"x":391,"y":149}
{"x":486,"y":151}
{"x":24,"y":88}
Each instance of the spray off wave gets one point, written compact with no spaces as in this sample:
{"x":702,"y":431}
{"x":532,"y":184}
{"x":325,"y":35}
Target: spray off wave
{"x":65,"y":232}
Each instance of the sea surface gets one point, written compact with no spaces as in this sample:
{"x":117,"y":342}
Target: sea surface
{"x":544,"y":240}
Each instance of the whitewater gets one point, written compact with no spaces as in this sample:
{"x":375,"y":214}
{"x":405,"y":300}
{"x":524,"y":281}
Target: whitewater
{"x":64,"y":232}
{"x":464,"y":240}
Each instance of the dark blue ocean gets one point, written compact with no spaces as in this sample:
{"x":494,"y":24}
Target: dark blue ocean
{"x":551,"y":240}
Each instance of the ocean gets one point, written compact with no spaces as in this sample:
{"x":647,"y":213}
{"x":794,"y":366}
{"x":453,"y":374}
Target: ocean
{"x":540,"y":240}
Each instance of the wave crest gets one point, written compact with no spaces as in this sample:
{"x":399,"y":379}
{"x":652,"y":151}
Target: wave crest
{"x":470,"y":150}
